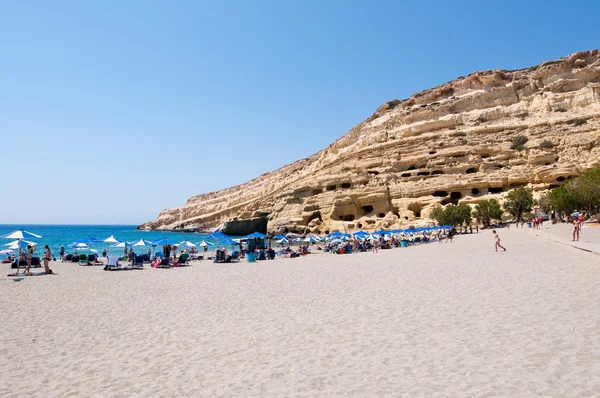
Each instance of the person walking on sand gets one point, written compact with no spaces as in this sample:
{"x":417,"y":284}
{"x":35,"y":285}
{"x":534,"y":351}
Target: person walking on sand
{"x":498,"y":245}
{"x":62,"y":254}
{"x":576,"y":229}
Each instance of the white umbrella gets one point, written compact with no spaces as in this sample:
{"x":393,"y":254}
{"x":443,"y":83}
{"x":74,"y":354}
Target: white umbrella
{"x":186,"y":243}
{"x":21,"y":234}
{"x":7,"y":251}
{"x":15,"y":244}
{"x":110,"y":239}
{"x":204,"y":243}
{"x":142,"y":242}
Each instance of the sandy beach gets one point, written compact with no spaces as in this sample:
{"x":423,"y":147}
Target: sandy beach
{"x":452,"y":319}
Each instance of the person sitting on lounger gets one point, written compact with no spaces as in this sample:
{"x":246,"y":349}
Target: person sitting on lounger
{"x":156,"y":262}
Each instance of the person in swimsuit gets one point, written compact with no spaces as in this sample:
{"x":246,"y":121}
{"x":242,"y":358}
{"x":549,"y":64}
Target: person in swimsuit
{"x":498,"y":245}
{"x":29,"y":257}
{"x":62,"y":254}
{"x":576,"y":229}
{"x":47,"y":258}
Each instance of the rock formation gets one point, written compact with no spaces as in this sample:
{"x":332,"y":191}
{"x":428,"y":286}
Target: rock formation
{"x":459,"y":142}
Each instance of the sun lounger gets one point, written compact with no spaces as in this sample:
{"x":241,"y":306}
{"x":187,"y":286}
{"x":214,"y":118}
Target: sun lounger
{"x":138,"y":261}
{"x":165,"y":263}
{"x":82,"y":260}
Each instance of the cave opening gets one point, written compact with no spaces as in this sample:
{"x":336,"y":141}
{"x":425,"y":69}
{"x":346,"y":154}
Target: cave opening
{"x":412,"y":167}
{"x":455,"y":195}
{"x":381,"y":215}
{"x":561,"y":178}
{"x":475,"y":191}
{"x":373,"y":172}
{"x":440,"y":194}
{"x":315,"y":216}
{"x":437,"y":172}
{"x":406,"y":174}
{"x":406,"y":218}
{"x":368,"y":209}
{"x":448,"y":201}
{"x":485,"y":155}
{"x":330,"y":187}
{"x":346,"y":185}
{"x":496,"y":190}
{"x":359,"y":225}
{"x":316,"y":191}
{"x":349,"y":217}
{"x":432,"y":152}
{"x":423,"y":173}
{"x":471,"y":170}
{"x":416,"y":209}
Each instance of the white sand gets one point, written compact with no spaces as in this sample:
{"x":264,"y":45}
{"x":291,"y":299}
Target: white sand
{"x":435,"y":320}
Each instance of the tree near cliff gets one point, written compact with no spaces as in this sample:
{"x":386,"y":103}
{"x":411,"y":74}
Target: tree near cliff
{"x":452,"y":215}
{"x":486,"y":211}
{"x":519,"y":201}
{"x":585,"y":190}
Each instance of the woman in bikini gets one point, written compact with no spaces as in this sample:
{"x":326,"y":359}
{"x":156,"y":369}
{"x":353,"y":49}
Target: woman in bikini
{"x":47,"y":258}
{"x":498,"y":245}
{"x":29,"y":257}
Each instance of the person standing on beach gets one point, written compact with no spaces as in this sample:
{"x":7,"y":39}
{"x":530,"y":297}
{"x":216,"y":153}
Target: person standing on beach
{"x":47,"y":258}
{"x":576,"y":229}
{"x":62,"y":254}
{"x":29,"y":257}
{"x":498,"y":245}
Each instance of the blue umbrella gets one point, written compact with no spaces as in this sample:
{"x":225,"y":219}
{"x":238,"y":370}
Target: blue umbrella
{"x":380,"y":232}
{"x":575,"y":214}
{"x":279,"y":237}
{"x":336,"y":234}
{"x":255,"y":235}
{"x":218,"y":235}
{"x":228,"y":241}
{"x":164,"y":241}
{"x":89,"y":240}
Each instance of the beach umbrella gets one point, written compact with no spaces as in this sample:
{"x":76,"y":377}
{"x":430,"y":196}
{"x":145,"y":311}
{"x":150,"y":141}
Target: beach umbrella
{"x":123,"y":244}
{"x":218,"y":236}
{"x":279,"y":237}
{"x":79,"y":245}
{"x":164,"y":242}
{"x":284,"y":241}
{"x":15,"y":244}
{"x":335,"y":234}
{"x":228,"y":241}
{"x":186,"y":243}
{"x":143,"y":242}
{"x":111,"y":239}
{"x":7,"y":251}
{"x":21,"y":234}
{"x":575,"y":214}
{"x":205,"y":243}
{"x":380,"y":232}
{"x":89,"y":240}
{"x":337,"y":241}
{"x":255,"y":235}
{"x":360,"y":233}
{"x":309,"y":239}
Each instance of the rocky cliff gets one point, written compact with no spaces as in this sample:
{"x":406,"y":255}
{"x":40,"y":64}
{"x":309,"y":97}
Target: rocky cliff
{"x":459,"y":142}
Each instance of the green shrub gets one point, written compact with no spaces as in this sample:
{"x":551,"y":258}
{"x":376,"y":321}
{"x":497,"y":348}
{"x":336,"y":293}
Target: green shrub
{"x":518,"y":142}
{"x":577,"y":121}
{"x":546,"y":144}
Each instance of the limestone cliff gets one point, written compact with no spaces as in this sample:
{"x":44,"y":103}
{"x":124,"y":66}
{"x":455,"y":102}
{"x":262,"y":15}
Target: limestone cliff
{"x":453,"y":143}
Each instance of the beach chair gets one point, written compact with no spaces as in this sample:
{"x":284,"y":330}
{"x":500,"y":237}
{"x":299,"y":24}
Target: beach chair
{"x":82,"y":260}
{"x":113,"y":262}
{"x":235,"y":256}
{"x":138,"y":261}
{"x":183,"y":260}
{"x":164,"y":263}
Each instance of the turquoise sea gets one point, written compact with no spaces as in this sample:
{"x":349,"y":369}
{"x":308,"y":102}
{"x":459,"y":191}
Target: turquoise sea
{"x":61,"y":235}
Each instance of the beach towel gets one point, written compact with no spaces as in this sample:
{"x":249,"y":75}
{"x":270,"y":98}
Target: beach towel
{"x":21,"y":274}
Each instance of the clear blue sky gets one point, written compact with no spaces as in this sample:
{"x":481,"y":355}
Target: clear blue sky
{"x":111,"y":111}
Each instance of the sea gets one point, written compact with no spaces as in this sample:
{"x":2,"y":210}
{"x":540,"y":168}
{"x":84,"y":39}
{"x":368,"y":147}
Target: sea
{"x":56,"y":236}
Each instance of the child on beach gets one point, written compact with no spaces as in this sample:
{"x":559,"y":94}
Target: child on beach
{"x":498,"y":245}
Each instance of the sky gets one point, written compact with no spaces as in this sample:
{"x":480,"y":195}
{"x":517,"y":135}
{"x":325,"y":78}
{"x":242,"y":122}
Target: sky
{"x":111,"y":111}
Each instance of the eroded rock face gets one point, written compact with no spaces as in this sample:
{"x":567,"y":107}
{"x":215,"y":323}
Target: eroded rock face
{"x":445,"y":145}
